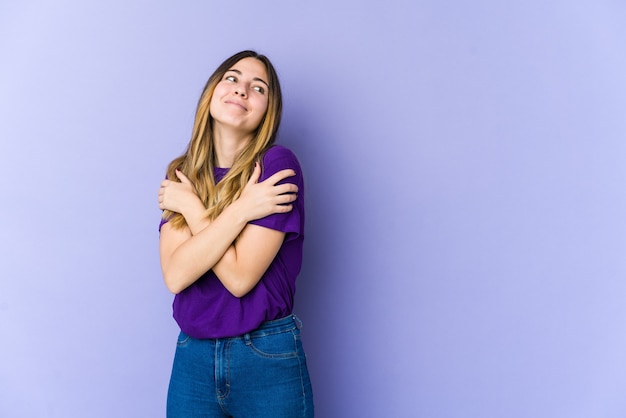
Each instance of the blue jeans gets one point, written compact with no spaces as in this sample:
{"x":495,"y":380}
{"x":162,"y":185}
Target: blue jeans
{"x":260,"y":374}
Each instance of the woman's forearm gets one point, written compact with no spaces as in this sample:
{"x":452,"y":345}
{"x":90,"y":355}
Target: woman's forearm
{"x":244,"y":263}
{"x":188,"y":253}
{"x":184,"y":260}
{"x":196,"y":219}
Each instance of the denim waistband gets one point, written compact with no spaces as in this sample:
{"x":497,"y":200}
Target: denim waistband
{"x":275,"y":326}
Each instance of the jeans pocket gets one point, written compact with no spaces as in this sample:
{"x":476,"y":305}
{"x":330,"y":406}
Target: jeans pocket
{"x":279,"y":345}
{"x":183,"y":340}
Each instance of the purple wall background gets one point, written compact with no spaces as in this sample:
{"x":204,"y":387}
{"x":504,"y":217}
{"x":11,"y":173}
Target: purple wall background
{"x":465,"y":167}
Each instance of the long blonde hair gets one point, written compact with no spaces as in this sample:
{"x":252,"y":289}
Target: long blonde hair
{"x":198,"y":161}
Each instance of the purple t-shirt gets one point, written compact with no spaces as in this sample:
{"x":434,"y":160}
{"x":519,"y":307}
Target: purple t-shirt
{"x":207,"y":310}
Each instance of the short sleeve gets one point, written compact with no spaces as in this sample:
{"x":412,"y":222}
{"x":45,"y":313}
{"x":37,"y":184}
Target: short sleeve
{"x":164,"y":220}
{"x":291,"y":223}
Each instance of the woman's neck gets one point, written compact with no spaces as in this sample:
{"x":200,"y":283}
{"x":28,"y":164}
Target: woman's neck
{"x":228,"y":146}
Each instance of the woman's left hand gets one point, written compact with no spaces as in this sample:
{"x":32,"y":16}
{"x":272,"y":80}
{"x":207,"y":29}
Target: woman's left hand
{"x":258,"y":200}
{"x":179,"y":197}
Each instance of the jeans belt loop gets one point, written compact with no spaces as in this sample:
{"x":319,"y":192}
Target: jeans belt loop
{"x":297,"y":321}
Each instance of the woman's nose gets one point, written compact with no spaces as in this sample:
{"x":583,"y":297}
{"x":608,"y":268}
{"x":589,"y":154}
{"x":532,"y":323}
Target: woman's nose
{"x":240,"y":91}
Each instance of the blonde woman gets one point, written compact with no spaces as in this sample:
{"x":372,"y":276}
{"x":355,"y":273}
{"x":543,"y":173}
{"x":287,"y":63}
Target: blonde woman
{"x":231,"y":247}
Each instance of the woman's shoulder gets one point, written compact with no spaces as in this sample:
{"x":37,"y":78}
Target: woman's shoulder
{"x":281,"y":155}
{"x":278,"y":152}
{"x":279,"y":158}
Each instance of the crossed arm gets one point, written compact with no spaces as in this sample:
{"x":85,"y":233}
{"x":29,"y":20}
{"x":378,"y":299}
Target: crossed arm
{"x":237,"y":252}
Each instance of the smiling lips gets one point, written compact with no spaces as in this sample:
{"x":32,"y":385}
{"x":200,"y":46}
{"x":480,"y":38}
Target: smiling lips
{"x":236,"y":104}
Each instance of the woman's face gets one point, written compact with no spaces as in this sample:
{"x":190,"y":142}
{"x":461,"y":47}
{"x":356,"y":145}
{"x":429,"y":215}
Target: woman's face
{"x":240,"y":99}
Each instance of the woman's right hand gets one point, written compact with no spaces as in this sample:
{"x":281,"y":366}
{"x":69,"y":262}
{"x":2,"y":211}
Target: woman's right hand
{"x":179,"y":196}
{"x":258,"y":200}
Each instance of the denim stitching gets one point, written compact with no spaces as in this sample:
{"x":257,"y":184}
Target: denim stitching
{"x":183,"y":343}
{"x":288,"y":355}
{"x":304,"y":406}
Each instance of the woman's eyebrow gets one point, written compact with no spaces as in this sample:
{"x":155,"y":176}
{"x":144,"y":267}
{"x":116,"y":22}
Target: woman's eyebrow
{"x":255,"y":78}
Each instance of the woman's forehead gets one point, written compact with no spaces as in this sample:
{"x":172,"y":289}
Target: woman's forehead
{"x":251,"y":67}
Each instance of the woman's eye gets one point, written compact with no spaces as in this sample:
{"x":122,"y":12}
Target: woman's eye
{"x":231,"y":78}
{"x":259,"y":89}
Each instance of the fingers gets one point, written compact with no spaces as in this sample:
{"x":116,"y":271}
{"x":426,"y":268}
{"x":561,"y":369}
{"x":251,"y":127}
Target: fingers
{"x":283,"y":208}
{"x":256,"y":173}
{"x":286,"y":188}
{"x":281,"y":175}
{"x":182,"y":177}
{"x":286,"y":198}
{"x":161,"y":194}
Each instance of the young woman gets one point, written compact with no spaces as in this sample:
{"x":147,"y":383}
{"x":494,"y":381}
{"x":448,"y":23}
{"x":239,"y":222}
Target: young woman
{"x":231,"y":248}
